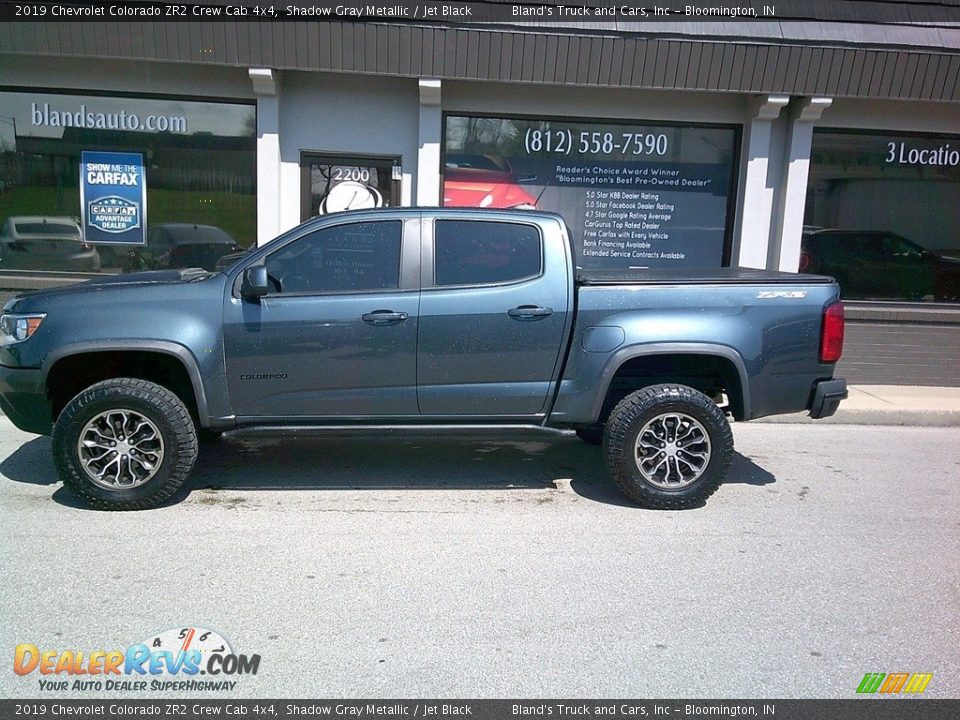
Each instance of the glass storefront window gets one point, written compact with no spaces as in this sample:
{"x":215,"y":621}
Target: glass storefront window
{"x":882,"y":215}
{"x":199,"y":163}
{"x":635,"y":195}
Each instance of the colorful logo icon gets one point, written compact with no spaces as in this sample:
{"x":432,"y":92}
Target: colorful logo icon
{"x":894,"y":683}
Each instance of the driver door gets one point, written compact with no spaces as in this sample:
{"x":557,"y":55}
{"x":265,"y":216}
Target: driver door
{"x":336,"y":336}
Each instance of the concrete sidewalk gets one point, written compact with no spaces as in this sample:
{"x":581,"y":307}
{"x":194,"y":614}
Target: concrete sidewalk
{"x":890,"y":405}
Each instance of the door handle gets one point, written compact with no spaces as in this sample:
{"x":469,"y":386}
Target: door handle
{"x":383,"y":317}
{"x":526,"y":313}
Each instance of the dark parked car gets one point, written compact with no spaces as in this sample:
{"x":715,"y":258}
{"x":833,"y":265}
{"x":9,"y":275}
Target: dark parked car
{"x":180,"y":245}
{"x":45,"y":243}
{"x":879,"y":265}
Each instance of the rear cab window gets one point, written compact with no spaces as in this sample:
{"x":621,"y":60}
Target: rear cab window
{"x":472,"y":252}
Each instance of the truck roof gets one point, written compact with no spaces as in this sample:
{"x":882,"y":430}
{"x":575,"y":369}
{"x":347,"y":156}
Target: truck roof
{"x":444,"y":210}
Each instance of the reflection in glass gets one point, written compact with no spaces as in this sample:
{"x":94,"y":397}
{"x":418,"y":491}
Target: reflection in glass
{"x":200,"y":172}
{"x":880,"y":221}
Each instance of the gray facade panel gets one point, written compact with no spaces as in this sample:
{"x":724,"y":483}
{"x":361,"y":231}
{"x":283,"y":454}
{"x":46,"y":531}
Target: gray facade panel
{"x":952,"y":90}
{"x":740,"y":69}
{"x":829,"y":75}
{"x":649,"y":62}
{"x":606,"y":62}
{"x":616,"y":63}
{"x":540,"y":53}
{"x":592,"y":57}
{"x":884,"y":353}
{"x":899,"y":72}
{"x":692,"y":76}
{"x":909,"y":73}
{"x":856,"y":70}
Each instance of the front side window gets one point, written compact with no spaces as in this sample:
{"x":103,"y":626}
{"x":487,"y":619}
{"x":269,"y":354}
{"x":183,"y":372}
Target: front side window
{"x":469,"y":252}
{"x":355,"y":257}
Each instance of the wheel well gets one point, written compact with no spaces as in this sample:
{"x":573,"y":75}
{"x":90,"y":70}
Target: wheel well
{"x":74,"y":373}
{"x":710,"y":374}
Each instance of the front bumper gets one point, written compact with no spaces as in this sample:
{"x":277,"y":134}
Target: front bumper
{"x":23,"y":399}
{"x":827,"y":395}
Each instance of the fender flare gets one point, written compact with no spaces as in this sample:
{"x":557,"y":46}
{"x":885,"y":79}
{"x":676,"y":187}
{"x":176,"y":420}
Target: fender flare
{"x":674,"y":348}
{"x":164,"y":347}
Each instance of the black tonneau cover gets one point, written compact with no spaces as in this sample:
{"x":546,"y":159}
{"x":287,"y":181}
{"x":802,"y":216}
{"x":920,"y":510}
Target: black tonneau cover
{"x":709,"y":276}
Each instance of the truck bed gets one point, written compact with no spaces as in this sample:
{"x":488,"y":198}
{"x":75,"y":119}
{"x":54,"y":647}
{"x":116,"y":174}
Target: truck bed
{"x":710,"y":276}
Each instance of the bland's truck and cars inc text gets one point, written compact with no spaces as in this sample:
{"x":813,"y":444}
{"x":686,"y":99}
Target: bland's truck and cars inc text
{"x":442,"y":318}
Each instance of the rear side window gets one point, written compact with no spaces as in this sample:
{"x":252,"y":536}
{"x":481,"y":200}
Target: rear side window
{"x":43,"y":228}
{"x":472,"y":252}
{"x":356,"y":257}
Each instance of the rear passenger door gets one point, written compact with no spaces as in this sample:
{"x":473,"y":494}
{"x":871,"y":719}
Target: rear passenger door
{"x":492,"y":320}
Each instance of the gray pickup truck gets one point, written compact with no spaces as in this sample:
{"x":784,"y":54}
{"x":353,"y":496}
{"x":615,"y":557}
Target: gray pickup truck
{"x":417,"y":317}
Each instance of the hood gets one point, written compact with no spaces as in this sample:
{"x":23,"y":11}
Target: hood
{"x":152,"y":278}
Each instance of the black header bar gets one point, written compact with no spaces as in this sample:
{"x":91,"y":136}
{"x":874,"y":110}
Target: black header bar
{"x":945,"y":13}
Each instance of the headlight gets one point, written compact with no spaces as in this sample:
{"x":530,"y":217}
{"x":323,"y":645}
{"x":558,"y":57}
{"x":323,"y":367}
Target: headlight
{"x":17,"y":328}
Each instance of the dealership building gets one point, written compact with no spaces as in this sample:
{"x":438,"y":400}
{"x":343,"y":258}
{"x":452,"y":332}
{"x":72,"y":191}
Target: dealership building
{"x":823,"y":145}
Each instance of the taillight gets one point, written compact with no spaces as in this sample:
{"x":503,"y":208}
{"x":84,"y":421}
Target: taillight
{"x":804,"y":261}
{"x":831,"y":334}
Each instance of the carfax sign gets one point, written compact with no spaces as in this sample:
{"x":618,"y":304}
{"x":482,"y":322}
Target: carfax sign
{"x":113,"y":197}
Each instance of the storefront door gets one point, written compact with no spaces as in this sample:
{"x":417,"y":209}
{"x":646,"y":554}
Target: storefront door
{"x":332,"y":183}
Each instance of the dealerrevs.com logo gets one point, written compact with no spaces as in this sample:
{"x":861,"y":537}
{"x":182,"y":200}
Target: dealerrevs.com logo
{"x":189,"y":659}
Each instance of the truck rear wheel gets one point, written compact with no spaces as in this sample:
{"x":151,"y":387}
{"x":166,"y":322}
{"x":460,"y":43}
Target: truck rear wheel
{"x":668,"y":447}
{"x":124,"y":444}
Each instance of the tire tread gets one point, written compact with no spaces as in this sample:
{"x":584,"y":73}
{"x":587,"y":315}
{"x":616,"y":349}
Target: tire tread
{"x":174,"y":412}
{"x":618,"y":439}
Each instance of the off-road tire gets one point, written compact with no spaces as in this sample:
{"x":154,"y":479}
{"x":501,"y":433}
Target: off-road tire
{"x":633,"y":413}
{"x":162,"y":407}
{"x":591,"y":434}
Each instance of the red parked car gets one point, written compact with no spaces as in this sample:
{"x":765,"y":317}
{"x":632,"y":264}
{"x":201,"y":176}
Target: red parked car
{"x":485,"y":181}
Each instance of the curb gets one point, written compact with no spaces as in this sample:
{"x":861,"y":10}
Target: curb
{"x":919,"y":418}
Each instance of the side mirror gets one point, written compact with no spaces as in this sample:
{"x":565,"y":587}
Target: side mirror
{"x":254,"y":285}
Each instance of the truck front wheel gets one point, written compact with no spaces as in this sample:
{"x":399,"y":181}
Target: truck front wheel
{"x":668,"y":447}
{"x":124,"y":444}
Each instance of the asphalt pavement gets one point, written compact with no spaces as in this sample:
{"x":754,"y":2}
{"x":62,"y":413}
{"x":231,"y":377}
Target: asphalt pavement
{"x":491,"y":566}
